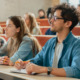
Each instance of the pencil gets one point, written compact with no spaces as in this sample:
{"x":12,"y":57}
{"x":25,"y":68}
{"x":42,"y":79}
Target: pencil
{"x":24,"y":61}
{"x":27,"y":61}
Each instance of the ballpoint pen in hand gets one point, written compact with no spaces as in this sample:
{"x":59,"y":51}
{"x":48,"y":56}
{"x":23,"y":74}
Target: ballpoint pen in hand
{"x":23,"y":61}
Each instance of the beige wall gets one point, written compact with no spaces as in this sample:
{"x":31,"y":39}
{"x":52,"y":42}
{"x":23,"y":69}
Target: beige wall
{"x":19,"y":7}
{"x":55,"y":2}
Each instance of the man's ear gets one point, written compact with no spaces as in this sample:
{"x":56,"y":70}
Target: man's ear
{"x":68,"y":23}
{"x":18,"y":29}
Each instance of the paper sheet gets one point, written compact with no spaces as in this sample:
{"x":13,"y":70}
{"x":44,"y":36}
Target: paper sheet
{"x":23,"y":71}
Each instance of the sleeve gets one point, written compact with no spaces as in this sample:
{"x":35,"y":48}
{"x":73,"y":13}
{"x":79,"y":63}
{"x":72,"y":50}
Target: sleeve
{"x":23,"y":52}
{"x":74,"y":69}
{"x":36,"y":31}
{"x":3,"y":50}
{"x":39,"y":58}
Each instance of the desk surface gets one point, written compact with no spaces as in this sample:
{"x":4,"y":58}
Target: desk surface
{"x":6,"y":71}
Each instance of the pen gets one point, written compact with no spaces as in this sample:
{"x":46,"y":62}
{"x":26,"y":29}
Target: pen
{"x":27,"y":61}
{"x":23,"y":61}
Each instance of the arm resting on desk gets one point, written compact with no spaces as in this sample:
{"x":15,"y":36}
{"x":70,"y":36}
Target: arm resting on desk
{"x":39,"y":69}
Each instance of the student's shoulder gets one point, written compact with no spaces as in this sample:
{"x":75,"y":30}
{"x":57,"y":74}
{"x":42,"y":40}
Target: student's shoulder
{"x":36,"y":28}
{"x":77,"y":41}
{"x":26,"y":38}
{"x":52,"y":40}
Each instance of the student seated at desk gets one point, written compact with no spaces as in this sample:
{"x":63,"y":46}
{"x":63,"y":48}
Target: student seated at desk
{"x":61,"y":55}
{"x":32,"y":24}
{"x":21,"y":45}
{"x":41,"y":14}
{"x":49,"y":31}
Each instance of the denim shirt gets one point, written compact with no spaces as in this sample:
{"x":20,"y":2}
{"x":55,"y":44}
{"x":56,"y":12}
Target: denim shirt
{"x":24,"y":52}
{"x":49,"y":32}
{"x":69,"y":58}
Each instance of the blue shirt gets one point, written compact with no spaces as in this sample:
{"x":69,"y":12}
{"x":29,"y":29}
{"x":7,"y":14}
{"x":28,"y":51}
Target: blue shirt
{"x":69,"y":58}
{"x":24,"y":52}
{"x":49,"y":32}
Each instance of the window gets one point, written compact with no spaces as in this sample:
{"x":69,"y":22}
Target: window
{"x":74,"y":2}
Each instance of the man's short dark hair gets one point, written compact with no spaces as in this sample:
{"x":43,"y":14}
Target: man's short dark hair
{"x":69,"y":13}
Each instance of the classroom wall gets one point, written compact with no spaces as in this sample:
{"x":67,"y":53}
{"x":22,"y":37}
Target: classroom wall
{"x":63,"y":1}
{"x":19,"y":7}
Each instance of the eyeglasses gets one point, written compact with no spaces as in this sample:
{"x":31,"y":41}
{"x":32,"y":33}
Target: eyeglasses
{"x":55,"y":18}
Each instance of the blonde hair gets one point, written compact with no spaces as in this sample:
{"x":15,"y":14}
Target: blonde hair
{"x":13,"y":45}
{"x":1,"y":30}
{"x":33,"y":22}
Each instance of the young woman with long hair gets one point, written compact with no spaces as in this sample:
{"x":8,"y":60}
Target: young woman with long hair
{"x":20,"y":45}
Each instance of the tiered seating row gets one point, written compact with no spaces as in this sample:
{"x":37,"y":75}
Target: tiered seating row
{"x":41,"y":38}
{"x":75,"y":31}
{"x":44,"y":25}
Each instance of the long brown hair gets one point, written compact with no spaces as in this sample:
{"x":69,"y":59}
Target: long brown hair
{"x":13,"y":45}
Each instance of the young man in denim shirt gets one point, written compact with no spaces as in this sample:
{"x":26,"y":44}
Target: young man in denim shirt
{"x":61,"y":55}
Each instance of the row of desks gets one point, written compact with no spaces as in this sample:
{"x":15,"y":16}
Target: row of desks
{"x":5,"y":74}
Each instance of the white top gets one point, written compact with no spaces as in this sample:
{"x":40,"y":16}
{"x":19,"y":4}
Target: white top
{"x":36,"y":31}
{"x":58,"y":50}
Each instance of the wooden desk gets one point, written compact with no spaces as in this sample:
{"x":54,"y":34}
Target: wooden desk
{"x":6,"y":75}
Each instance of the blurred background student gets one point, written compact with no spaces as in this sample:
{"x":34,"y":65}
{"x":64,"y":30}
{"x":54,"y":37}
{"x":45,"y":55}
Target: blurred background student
{"x":50,"y":30}
{"x":1,"y":30}
{"x":2,"y":40}
{"x":21,"y":45}
{"x":41,"y":14}
{"x":32,"y":24}
{"x":78,"y":9}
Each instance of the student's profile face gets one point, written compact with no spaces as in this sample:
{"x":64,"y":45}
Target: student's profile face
{"x":57,"y":22}
{"x":26,"y":18}
{"x":41,"y":13}
{"x":11,"y":30}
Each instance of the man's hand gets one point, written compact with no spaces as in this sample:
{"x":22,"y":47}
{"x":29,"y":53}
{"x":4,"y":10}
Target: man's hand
{"x":30,"y":67}
{"x":20,"y":64}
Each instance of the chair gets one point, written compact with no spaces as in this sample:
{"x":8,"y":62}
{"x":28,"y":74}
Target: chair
{"x":76,"y":31}
{"x":43,"y":22}
{"x":43,"y":30}
{"x":43,"y":38}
